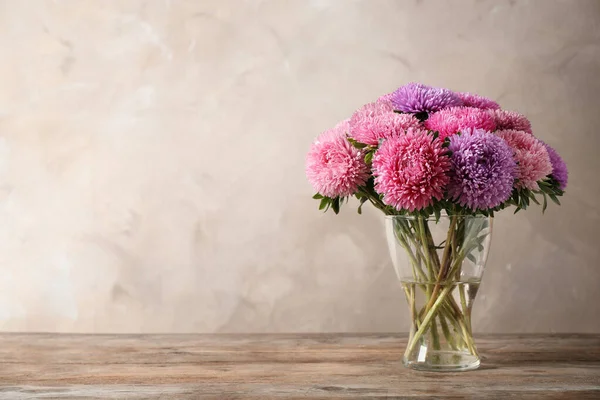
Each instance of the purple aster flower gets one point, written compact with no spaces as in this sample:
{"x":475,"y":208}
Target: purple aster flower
{"x":416,"y":97}
{"x":483,"y":170}
{"x":559,"y":168}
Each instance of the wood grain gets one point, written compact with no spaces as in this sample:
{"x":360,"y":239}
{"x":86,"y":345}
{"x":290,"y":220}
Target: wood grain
{"x":317,"y":366}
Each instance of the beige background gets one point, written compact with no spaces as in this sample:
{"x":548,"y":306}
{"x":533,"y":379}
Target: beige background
{"x":152,"y":160}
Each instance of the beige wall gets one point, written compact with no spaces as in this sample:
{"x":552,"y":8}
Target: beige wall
{"x":152,"y":160}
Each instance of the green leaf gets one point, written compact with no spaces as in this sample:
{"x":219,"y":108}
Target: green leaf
{"x":369,"y":157}
{"x":317,"y":196}
{"x":356,"y":144}
{"x":532,"y":197}
{"x":554,"y":198}
{"x":363,"y":200}
{"x":438,"y":214}
{"x":515,"y":197}
{"x":545,"y":205}
{"x":524,"y":201}
{"x":472,"y":258}
{"x":324,"y":203}
{"x":544,"y":183}
{"x":335,"y":205}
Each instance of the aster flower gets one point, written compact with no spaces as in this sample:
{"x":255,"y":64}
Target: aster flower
{"x":376,"y":121}
{"x":531,"y":156}
{"x":452,"y":120}
{"x":416,"y":98}
{"x":386,"y":98}
{"x":411,"y":170}
{"x":477,"y":101}
{"x":483,"y":170}
{"x":333,"y":166}
{"x":559,"y":168}
{"x":511,"y":120}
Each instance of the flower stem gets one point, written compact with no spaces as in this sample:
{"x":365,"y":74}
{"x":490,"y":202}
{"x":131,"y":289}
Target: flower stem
{"x":445,"y":262}
{"x":427,"y":320}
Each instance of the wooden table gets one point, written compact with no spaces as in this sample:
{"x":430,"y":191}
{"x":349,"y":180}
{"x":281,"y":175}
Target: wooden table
{"x":295,"y":366}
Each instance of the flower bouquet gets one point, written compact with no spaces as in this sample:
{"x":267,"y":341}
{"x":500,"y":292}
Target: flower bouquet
{"x":439,"y":164}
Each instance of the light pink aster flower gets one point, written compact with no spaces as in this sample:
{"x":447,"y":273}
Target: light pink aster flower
{"x":511,"y":120}
{"x":533,"y":161}
{"x":411,"y":170}
{"x":477,"y":101}
{"x":386,"y":98}
{"x":333,"y":166}
{"x":376,"y":121}
{"x":452,"y":120}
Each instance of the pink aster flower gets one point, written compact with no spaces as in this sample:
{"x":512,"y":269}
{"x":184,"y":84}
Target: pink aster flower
{"x":386,"y":98}
{"x":452,"y":120}
{"x":333,"y":166}
{"x":376,"y":121}
{"x":477,"y":101}
{"x":411,"y":170}
{"x":533,"y":161}
{"x":511,"y":120}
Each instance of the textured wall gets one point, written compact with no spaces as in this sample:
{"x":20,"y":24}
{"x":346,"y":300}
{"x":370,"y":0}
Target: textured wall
{"x":152,"y":160}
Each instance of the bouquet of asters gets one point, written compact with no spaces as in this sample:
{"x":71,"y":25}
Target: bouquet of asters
{"x":429,"y":158}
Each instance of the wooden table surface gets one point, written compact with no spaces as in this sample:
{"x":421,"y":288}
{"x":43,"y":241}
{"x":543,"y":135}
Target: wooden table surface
{"x":294,"y":366}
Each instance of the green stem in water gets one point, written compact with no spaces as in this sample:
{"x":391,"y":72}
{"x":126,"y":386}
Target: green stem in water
{"x":427,"y":243}
{"x":415,"y":264}
{"x":425,"y":246}
{"x":446,"y":331}
{"x":427,"y":320}
{"x":445,"y":262}
{"x":435,"y":336}
{"x":439,"y":300}
{"x":436,"y":259}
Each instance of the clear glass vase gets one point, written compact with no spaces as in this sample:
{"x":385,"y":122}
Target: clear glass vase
{"x":440,"y":266}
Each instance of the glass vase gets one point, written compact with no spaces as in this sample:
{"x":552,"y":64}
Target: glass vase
{"x":440,"y":265}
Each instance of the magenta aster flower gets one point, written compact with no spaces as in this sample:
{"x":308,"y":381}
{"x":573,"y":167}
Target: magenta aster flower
{"x":452,"y":120}
{"x":531,"y":156}
{"x":483,"y":170}
{"x":411,"y":170}
{"x":333,"y":166}
{"x":416,"y":97}
{"x":559,"y":167}
{"x":376,"y":121}
{"x":477,"y":101}
{"x":511,"y":120}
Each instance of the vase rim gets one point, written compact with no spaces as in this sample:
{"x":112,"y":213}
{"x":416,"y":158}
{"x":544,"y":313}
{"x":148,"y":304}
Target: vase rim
{"x":433,"y":217}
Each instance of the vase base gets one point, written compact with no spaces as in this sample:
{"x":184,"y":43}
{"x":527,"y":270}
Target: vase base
{"x":445,"y":361}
